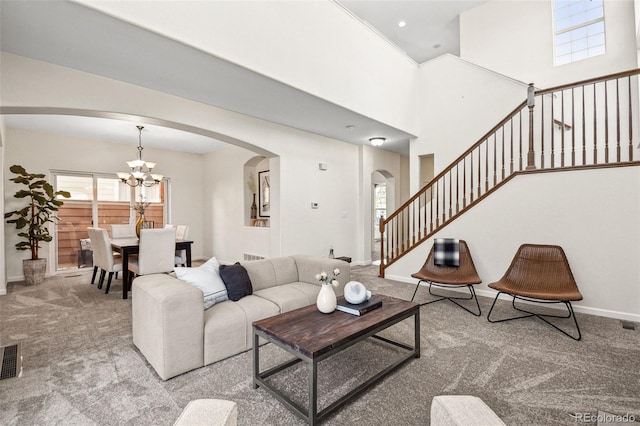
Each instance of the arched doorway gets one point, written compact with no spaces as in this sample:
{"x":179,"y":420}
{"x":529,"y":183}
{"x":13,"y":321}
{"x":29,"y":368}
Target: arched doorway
{"x":382,"y":204}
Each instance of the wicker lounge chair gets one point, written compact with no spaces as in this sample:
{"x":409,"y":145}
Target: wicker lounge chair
{"x":464,"y":275}
{"x":540,"y":274}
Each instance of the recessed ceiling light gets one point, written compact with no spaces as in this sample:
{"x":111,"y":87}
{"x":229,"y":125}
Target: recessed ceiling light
{"x":402,"y":24}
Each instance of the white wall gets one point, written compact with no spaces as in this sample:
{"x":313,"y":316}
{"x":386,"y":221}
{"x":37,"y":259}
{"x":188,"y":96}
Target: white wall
{"x":41,"y":152}
{"x":226,"y":235}
{"x":515,"y":38}
{"x":591,"y":214}
{"x":3,"y":270}
{"x":294,"y":155}
{"x":315,"y":46}
{"x":459,"y":103}
{"x":373,"y":159}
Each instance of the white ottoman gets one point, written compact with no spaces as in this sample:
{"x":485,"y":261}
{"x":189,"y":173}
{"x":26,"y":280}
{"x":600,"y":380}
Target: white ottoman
{"x":462,"y":410}
{"x":209,"y":412}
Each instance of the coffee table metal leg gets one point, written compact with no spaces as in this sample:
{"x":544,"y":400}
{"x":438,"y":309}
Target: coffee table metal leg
{"x":313,"y":392}
{"x":256,"y":360}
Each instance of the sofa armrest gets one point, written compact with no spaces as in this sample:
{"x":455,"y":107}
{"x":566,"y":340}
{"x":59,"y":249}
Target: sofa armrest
{"x":168,"y":324}
{"x":309,"y":266}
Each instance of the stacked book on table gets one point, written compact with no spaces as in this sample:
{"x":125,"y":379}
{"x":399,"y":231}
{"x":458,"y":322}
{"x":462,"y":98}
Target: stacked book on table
{"x":360,"y":308}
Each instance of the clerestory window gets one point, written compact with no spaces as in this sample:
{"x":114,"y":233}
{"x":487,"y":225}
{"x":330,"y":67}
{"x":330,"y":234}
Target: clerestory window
{"x":579,"y":30}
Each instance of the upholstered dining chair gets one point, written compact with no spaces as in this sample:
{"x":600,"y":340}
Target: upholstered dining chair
{"x":539,"y":274}
{"x":156,"y":253}
{"x":182,"y":233}
{"x":124,"y":230}
{"x":437,"y":272}
{"x":103,"y":257}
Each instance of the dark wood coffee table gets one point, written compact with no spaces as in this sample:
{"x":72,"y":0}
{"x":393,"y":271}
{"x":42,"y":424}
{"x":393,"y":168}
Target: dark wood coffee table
{"x":312,"y":336}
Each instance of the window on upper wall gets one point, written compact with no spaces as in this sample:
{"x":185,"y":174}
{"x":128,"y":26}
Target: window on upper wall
{"x":578,"y":30}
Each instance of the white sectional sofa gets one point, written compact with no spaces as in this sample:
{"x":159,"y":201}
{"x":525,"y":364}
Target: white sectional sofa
{"x":176,"y":334}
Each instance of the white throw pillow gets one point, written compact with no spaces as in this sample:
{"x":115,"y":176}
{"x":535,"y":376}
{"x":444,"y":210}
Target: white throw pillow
{"x":205,"y":277}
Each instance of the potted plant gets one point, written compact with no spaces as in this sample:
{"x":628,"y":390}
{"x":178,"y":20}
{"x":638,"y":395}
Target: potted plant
{"x":32,"y":219}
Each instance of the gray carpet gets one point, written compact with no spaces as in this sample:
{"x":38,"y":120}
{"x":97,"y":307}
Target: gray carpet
{"x":81,"y":368}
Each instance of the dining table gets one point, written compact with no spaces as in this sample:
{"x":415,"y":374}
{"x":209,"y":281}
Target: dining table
{"x":130,"y":246}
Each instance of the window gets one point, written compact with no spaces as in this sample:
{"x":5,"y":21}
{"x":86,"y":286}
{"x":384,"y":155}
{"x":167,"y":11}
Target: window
{"x":99,"y":200}
{"x":578,"y":30}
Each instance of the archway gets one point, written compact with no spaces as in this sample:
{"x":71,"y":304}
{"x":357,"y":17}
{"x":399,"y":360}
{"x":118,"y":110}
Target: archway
{"x":382,"y":204}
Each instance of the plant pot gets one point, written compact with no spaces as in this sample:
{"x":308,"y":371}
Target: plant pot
{"x":34,"y":271}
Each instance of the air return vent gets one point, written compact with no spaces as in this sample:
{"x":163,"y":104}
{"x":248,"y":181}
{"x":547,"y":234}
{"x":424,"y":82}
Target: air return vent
{"x":11,"y":361}
{"x":249,"y":256}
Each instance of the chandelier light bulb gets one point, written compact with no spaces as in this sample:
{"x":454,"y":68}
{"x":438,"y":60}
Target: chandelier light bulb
{"x":140,"y":173}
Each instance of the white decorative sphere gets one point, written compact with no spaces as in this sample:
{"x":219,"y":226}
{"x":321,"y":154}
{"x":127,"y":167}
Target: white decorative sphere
{"x":355,"y":292}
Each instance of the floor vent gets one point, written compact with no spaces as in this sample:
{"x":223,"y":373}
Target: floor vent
{"x":11,"y":361}
{"x":249,"y":256}
{"x":628,"y":325}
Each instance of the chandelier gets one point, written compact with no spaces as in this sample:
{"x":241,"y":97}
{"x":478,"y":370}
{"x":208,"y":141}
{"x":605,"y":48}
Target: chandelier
{"x":140,"y":173}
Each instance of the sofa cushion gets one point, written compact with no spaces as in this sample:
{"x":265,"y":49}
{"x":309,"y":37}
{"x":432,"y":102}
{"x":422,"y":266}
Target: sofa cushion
{"x":224,"y":331}
{"x":256,"y":308}
{"x":286,"y":296}
{"x":285,"y":269}
{"x":205,"y":277}
{"x":261,"y":273}
{"x":237,"y":281}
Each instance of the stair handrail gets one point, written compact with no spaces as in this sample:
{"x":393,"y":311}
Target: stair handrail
{"x":529,"y":103}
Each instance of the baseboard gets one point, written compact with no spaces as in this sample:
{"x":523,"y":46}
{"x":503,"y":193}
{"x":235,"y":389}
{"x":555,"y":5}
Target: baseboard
{"x":578,"y":308}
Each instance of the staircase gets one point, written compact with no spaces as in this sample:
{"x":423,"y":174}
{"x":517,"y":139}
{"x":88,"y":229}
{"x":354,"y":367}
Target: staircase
{"x":587,"y":124}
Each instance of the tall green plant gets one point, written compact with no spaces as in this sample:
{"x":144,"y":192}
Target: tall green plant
{"x":40,"y":210}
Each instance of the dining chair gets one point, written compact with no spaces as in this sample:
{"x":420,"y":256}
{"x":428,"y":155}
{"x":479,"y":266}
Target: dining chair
{"x":156,"y":254}
{"x":182,"y":233}
{"x":125,"y":230}
{"x":103,"y":256}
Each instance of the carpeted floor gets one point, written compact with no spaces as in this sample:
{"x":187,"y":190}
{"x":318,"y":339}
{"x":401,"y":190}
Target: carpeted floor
{"x":81,"y":368}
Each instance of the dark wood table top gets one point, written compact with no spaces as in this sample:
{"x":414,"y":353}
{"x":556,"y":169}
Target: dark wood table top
{"x":312,"y":333}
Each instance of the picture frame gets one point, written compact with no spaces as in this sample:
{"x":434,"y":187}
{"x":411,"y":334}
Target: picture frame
{"x":264,"y":193}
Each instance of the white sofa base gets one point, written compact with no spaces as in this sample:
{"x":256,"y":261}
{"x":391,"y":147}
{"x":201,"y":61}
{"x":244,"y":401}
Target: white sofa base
{"x":175,"y":334}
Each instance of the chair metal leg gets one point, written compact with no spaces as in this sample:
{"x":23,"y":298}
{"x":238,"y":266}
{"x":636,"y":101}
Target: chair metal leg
{"x":108,"y":283}
{"x":452,"y":299}
{"x":543,"y":317}
{"x":93,"y":277}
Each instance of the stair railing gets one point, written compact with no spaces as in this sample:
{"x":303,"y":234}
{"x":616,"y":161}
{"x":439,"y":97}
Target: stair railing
{"x":590,"y":123}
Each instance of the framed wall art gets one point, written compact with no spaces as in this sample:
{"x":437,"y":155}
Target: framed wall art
{"x":264,"y":196}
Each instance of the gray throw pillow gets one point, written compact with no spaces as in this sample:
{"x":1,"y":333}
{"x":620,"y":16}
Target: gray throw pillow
{"x":237,"y":281}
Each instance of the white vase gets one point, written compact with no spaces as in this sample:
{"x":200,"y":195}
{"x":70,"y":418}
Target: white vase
{"x":326,"y":301}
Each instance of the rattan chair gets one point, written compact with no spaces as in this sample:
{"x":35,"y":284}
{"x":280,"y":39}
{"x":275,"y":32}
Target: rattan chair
{"x":539,"y":274}
{"x":464,"y":275}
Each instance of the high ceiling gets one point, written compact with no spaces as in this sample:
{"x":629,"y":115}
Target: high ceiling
{"x":71,"y":35}
{"x":423,"y":29}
